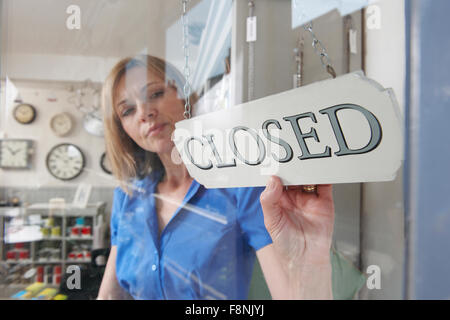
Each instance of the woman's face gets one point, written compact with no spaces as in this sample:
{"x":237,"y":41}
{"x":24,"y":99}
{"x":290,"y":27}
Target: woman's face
{"x":148,"y":109}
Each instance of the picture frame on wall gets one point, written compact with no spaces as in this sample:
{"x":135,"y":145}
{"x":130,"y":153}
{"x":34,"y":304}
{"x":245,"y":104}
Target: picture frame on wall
{"x":82,"y":195}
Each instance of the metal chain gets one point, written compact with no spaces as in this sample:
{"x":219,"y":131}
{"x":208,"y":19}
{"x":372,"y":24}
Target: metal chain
{"x":251,"y":58}
{"x":298,"y":54}
{"x":320,"y":50}
{"x":187,"y":72}
{"x":348,"y":26}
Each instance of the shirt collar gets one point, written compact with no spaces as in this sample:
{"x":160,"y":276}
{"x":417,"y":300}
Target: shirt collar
{"x":149,"y":182}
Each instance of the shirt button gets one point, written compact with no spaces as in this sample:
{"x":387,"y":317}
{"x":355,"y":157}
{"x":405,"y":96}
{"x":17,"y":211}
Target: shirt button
{"x":154,"y":267}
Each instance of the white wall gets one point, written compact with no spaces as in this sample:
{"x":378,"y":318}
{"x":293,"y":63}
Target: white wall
{"x":37,"y":94}
{"x":53,"y":67}
{"x":382,"y":216}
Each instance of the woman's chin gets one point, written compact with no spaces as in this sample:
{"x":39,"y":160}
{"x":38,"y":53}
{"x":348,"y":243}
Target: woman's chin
{"x":163,"y":147}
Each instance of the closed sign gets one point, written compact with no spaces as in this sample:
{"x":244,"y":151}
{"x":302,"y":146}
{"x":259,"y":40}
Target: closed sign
{"x":343,"y":130}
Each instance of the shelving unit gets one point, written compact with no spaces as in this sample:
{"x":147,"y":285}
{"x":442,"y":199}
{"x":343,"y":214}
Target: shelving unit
{"x":64,"y":217}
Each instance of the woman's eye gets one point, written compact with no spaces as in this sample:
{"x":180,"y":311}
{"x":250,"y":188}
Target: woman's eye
{"x":127,"y":111}
{"x":156,"y":94}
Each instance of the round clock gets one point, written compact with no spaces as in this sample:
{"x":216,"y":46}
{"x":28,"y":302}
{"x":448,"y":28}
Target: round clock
{"x":61,"y":124}
{"x":93,"y":124}
{"x":65,"y":161}
{"x":104,"y":163}
{"x":24,"y":113}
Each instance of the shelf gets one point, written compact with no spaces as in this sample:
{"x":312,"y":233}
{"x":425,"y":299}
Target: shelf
{"x":67,"y":238}
{"x":78,"y":261}
{"x":47,"y":261}
{"x":79,"y":238}
{"x":67,"y":206}
{"x":35,"y":262}
{"x":95,"y":219}
{"x":92,"y":209}
{"x":25,"y":261}
{"x":11,"y":212}
{"x":51,"y":238}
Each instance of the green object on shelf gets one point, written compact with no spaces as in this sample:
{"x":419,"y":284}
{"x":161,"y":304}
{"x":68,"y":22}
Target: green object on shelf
{"x":45,"y":231}
{"x":50,"y":222}
{"x":258,"y":288}
{"x":346,"y":278}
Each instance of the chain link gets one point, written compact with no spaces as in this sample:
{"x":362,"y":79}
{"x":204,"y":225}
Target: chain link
{"x":251,"y":58}
{"x":320,"y":50}
{"x":186,"y":70}
{"x":298,"y":54}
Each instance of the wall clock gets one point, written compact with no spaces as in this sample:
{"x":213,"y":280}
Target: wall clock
{"x":61,"y":124}
{"x":24,"y":113}
{"x":105,"y":164}
{"x":15,"y":153}
{"x":93,"y":123}
{"x":65,"y":161}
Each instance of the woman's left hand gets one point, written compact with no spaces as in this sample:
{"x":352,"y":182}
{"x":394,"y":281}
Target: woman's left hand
{"x":300,"y":224}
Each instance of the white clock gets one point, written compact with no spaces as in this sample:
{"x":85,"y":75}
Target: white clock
{"x":93,"y":123}
{"x":15,"y":153}
{"x":65,"y":161}
{"x":61,"y":124}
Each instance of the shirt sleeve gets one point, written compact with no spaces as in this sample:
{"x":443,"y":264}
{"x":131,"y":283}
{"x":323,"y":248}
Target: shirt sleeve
{"x":251,"y":219}
{"x":117,"y":205}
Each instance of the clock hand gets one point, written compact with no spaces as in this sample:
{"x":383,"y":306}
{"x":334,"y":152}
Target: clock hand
{"x":13,"y":152}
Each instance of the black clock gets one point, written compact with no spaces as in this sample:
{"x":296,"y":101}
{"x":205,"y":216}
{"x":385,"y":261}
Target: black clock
{"x":65,"y":161}
{"x":104,"y":163}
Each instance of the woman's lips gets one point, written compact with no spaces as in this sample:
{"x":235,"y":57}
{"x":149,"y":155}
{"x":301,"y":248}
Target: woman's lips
{"x":155,"y":130}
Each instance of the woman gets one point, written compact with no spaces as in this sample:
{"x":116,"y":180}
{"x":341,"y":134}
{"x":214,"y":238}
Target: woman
{"x":171,"y":238}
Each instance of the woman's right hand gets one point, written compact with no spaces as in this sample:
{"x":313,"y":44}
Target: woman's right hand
{"x":301,"y":226}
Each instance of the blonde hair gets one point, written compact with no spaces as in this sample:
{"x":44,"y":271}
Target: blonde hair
{"x":128,"y":160}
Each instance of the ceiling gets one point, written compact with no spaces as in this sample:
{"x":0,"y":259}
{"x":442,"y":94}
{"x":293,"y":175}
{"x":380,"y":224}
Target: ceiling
{"x":109,"y":28}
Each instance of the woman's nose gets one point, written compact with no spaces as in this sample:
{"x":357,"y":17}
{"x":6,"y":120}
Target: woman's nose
{"x":146,"y":112}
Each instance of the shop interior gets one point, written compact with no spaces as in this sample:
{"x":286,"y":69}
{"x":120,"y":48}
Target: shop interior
{"x":55,"y":55}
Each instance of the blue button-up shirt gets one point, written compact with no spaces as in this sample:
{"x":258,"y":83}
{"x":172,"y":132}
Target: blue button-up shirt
{"x":206,"y":251}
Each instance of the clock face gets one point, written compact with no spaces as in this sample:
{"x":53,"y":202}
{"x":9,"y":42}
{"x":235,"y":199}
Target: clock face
{"x":15,"y":154}
{"x":61,"y":124}
{"x":93,"y":124}
{"x":65,"y":161}
{"x":104,"y":163}
{"x":24,"y":113}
